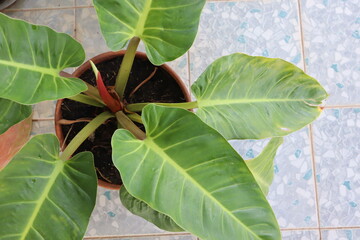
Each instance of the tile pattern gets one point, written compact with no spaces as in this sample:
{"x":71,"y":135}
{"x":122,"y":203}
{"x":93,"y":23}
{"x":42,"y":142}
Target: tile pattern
{"x":88,"y":32}
{"x":345,"y":234}
{"x":293,"y":184}
{"x":26,"y":4}
{"x":300,"y":235}
{"x":44,"y":110}
{"x":337,"y":149}
{"x":332,"y":47}
{"x":41,"y":127}
{"x":266,"y":28}
{"x":262,"y":28}
{"x":110,"y":217}
{"x":61,"y":20}
{"x":83,"y":3}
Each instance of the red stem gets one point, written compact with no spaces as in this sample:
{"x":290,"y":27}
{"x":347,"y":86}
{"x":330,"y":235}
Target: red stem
{"x":113,"y":104}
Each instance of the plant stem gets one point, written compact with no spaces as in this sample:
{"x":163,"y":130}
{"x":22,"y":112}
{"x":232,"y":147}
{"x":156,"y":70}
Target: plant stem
{"x":87,"y":100}
{"x":84,"y":134}
{"x":125,"y":68}
{"x":137,"y":107}
{"x":135,"y":117}
{"x":126,"y":123}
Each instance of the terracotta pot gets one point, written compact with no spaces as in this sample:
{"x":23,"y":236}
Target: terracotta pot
{"x":98,"y":59}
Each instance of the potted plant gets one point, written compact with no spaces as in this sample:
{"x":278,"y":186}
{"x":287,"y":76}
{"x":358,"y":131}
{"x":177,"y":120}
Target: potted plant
{"x":180,"y":171}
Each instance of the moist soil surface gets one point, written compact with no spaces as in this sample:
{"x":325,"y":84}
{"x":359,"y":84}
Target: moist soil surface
{"x":160,"y":88}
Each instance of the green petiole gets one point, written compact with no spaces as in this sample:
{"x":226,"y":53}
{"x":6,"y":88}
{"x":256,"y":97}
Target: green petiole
{"x":135,"y":117}
{"x":126,"y":123}
{"x":86,"y":100}
{"x":125,"y":68}
{"x":84,"y":134}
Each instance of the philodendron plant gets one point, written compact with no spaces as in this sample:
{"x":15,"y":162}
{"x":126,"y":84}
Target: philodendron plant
{"x":181,"y":173}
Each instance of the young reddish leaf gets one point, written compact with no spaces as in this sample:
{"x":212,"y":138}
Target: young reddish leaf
{"x":13,"y":139}
{"x":112,"y":103}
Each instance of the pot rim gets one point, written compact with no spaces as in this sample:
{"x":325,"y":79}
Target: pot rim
{"x":98,"y":59}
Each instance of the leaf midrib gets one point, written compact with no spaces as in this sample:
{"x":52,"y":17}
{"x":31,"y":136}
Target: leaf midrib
{"x":215,"y":102}
{"x":139,"y":29}
{"x":152,"y":145}
{"x":59,"y":165}
{"x":49,"y":71}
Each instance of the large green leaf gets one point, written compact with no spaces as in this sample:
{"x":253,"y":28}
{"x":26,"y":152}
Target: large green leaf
{"x":140,"y":208}
{"x":188,"y":171}
{"x":43,"y":197}
{"x":12,"y":113}
{"x":245,"y":97}
{"x":168,"y":28}
{"x":31,"y":58}
{"x":262,"y":167}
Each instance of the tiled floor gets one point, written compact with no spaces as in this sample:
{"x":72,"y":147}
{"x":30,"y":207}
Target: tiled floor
{"x":316,"y":190}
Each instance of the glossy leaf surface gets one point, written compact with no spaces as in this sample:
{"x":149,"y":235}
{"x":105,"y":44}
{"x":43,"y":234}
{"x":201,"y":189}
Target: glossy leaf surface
{"x":43,"y":197}
{"x":262,"y":166}
{"x":12,"y":113}
{"x":31,"y":58}
{"x":245,"y":97}
{"x":140,"y":208}
{"x":13,"y":139}
{"x":187,"y":170}
{"x":167,"y":28}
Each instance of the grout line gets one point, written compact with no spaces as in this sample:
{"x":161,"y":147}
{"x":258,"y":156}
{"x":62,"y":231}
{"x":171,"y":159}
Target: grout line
{"x":138,"y":235}
{"x":339,"y":228}
{"x":311,"y":136}
{"x":342,"y":106}
{"x":299,"y":229}
{"x":302,"y":44}
{"x":313,"y":162}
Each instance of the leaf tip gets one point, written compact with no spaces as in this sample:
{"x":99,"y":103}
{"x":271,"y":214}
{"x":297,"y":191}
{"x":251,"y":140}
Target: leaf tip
{"x":94,"y":68}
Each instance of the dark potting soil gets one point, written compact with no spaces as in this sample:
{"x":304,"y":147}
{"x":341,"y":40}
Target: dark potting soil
{"x":161,"y":88}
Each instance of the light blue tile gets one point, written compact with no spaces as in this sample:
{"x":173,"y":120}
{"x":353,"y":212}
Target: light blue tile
{"x":332,"y":47}
{"x":111,"y":218}
{"x":300,"y":235}
{"x":42,"y":127}
{"x":262,"y":28}
{"x":337,"y":152}
{"x":345,"y":234}
{"x":44,"y":110}
{"x":292,"y":192}
{"x":88,"y":32}
{"x":30,"y":4}
{"x":60,"y":20}
{"x":83,"y":3}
